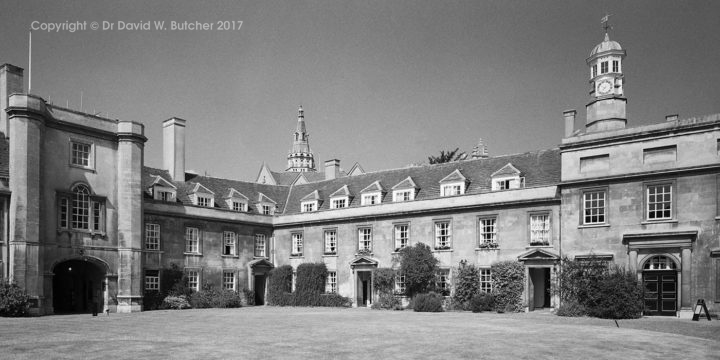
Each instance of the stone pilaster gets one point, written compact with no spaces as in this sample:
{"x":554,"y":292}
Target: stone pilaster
{"x":26,"y":124}
{"x":131,"y":143}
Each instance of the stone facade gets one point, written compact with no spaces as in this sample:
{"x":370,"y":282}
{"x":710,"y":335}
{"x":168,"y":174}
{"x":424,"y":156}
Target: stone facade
{"x":89,"y":227}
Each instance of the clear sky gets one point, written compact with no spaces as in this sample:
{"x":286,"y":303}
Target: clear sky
{"x":383,"y":83}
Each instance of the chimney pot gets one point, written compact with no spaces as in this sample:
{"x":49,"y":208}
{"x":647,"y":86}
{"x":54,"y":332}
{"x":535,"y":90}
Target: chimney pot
{"x":672,"y":117}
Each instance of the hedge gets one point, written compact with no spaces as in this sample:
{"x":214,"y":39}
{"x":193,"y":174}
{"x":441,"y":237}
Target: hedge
{"x":467,"y":285}
{"x":14,"y":301}
{"x":508,"y":284}
{"x":309,"y":287}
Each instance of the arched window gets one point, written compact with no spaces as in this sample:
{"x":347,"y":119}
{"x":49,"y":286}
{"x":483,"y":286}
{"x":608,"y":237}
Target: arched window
{"x":79,"y":209}
{"x":660,"y":262}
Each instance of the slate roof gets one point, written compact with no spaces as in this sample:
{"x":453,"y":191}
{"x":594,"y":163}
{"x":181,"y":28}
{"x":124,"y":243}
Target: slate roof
{"x":220,"y":187}
{"x":540,"y":168}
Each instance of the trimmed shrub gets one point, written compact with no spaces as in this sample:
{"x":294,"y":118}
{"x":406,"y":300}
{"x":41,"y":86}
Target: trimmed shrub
{"x":309,"y":287}
{"x":430,"y":302}
{"x":482,"y":302}
{"x":333,"y":300}
{"x":280,"y":286}
{"x":310,"y":284}
{"x":14,"y":301}
{"x":467,"y":285}
{"x":176,"y":302}
{"x":571,"y":308}
{"x":419,"y":266}
{"x":152,"y":300}
{"x":508,"y":283}
{"x":619,"y":296}
{"x":209,"y":297}
{"x":248,"y":297}
{"x":591,"y":287}
{"x":386,"y":301}
{"x":384,"y":280}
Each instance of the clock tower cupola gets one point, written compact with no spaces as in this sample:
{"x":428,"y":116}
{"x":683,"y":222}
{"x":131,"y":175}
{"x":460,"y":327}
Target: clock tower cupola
{"x":606,"y":109}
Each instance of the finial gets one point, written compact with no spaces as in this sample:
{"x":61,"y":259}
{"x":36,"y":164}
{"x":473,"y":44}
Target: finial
{"x":605,"y":21}
{"x":301,"y":113}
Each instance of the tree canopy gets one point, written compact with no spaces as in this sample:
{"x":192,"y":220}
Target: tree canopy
{"x":447,"y":156}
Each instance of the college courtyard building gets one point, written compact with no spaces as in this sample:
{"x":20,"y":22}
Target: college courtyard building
{"x":84,"y":222}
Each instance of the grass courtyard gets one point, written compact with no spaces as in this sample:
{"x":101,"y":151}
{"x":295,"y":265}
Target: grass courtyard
{"x":321,"y":333}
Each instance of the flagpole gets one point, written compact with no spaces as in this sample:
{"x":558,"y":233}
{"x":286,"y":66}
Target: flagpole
{"x":29,"y":61}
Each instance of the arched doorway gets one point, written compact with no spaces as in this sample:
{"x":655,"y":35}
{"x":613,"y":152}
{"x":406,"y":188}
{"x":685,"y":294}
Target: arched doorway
{"x":78,"y":287}
{"x":259,"y":271}
{"x":660,"y":284}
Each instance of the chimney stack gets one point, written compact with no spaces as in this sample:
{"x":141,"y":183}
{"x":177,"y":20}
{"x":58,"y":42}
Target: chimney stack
{"x":11,"y":82}
{"x":672,"y":117}
{"x":174,"y":148}
{"x":332,"y":169}
{"x":569,"y":116}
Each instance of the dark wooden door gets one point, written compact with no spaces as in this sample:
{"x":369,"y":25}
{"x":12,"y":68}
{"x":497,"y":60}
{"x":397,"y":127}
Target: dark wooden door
{"x":259,"y":289}
{"x":660,"y":292}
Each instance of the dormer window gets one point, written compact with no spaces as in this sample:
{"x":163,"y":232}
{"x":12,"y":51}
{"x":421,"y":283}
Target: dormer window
{"x":452,"y":189}
{"x":163,"y":190}
{"x":453,"y":184}
{"x":204,"y":201}
{"x":372,"y":194}
{"x":340,"y":198}
{"x":239,"y":206}
{"x":308,"y":206}
{"x":339,"y":203}
{"x":405,"y":190}
{"x":507,"y":178}
{"x":311,"y":202}
{"x":202,"y":196}
{"x":265,"y":205}
{"x":403,"y":195}
{"x":236,"y":201}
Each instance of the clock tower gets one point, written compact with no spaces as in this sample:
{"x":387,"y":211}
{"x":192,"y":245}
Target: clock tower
{"x":606,"y":109}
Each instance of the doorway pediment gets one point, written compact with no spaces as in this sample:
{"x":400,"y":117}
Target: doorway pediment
{"x":364,"y":261}
{"x":538,"y":255}
{"x":260,"y":263}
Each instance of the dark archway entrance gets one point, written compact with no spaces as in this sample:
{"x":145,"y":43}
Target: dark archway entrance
{"x":77,"y":287}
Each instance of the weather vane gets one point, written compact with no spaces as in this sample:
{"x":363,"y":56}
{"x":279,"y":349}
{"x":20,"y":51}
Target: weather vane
{"x":605,"y":21}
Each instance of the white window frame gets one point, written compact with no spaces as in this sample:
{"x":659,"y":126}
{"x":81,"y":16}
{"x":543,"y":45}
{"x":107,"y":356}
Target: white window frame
{"x":80,"y":210}
{"x":152,"y":236}
{"x":296,"y":249}
{"x":594,"y":206}
{"x":331,"y":283}
{"x":239,"y":206}
{"x":452,"y":189}
{"x":260,"y":245}
{"x":229,"y":243}
{"x":163,"y":193}
{"x":540,"y":229}
{"x":192,"y":240}
{"x":373,"y":198}
{"x":330,"y":241}
{"x":266,"y":209}
{"x":401,"y":235}
{"x":193,"y":278}
{"x":339,"y":202}
{"x":77,"y":159}
{"x":655,"y":209}
{"x":400,"y":287}
{"x":204,"y":200}
{"x":229,"y":280}
{"x":365,"y":239}
{"x":443,"y":234}
{"x":308,"y":206}
{"x":403,"y":195}
{"x":604,"y":67}
{"x":486,"y":283}
{"x":487,"y":231}
{"x":152,"y":282}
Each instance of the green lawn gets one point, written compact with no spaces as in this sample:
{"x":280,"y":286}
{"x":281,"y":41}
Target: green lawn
{"x":311,"y":333}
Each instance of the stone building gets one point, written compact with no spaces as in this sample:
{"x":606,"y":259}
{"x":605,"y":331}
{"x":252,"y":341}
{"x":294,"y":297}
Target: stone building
{"x":89,"y":225}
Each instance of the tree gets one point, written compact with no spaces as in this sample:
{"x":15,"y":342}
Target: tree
{"x":447,"y":156}
{"x":419,"y":266}
{"x":467,"y":284}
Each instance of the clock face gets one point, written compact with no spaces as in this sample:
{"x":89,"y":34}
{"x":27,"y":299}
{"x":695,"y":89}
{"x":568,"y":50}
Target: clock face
{"x":604,"y":87}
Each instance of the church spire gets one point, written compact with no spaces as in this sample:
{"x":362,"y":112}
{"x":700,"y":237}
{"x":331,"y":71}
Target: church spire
{"x":300,"y":157}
